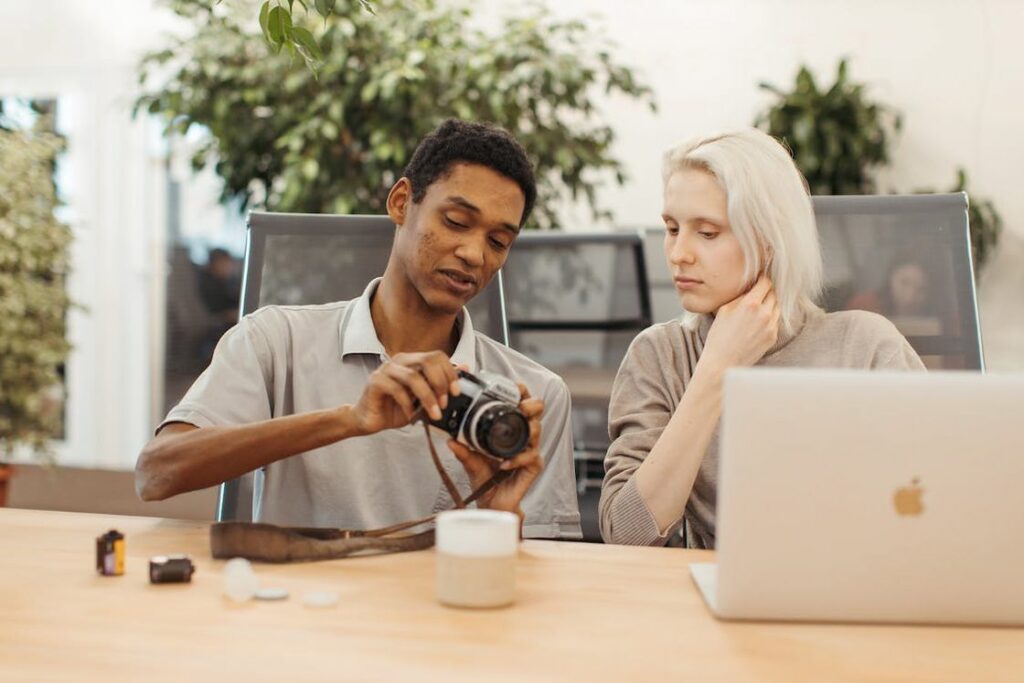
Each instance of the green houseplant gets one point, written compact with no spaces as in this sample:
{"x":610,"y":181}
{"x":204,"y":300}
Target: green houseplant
{"x":287,"y":139}
{"x":986,"y":224}
{"x":282,"y":27}
{"x":836,"y":133}
{"x":33,"y":300}
{"x":838,"y":137}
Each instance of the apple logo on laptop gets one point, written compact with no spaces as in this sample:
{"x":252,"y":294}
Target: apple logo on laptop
{"x":907,"y":499}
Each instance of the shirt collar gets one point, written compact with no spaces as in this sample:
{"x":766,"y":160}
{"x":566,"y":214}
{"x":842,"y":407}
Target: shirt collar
{"x":358,"y":335}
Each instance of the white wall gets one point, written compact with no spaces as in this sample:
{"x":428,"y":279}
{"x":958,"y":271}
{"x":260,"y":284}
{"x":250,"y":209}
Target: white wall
{"x":955,"y":69}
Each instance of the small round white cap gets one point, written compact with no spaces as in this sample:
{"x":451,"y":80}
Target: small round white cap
{"x":477,"y":533}
{"x":240,"y":582}
{"x":321,"y":599}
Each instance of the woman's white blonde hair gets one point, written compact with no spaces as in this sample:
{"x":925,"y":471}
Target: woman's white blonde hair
{"x":770,"y":213}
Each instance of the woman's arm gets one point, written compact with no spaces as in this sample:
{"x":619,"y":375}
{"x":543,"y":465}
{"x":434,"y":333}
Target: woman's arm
{"x":645,"y":494}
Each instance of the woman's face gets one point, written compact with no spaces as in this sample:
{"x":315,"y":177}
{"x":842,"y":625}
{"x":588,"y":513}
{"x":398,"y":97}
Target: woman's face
{"x":703,"y":254}
{"x":908,"y":285}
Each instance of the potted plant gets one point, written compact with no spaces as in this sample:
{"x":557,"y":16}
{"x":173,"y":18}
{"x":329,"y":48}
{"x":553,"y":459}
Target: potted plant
{"x":838,"y":136}
{"x":986,"y":224}
{"x":287,"y":138}
{"x":33,"y":300}
{"x":836,"y":133}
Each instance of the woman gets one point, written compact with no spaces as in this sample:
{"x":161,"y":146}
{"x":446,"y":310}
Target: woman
{"x":743,"y":251}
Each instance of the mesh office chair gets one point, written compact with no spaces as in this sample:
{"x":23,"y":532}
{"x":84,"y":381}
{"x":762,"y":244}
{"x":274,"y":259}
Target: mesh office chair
{"x":314,"y":259}
{"x":575,"y":302}
{"x":907,"y":257}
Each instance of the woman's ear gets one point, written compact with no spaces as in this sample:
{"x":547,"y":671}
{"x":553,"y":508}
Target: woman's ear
{"x":399,"y":199}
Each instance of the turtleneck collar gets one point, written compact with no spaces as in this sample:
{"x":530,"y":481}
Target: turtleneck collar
{"x":705,"y":320}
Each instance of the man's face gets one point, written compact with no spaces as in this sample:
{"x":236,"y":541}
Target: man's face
{"x":452,"y":243}
{"x":222,"y":267}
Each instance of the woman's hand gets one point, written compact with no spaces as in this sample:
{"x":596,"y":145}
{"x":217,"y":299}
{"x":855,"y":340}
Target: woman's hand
{"x":744,"y":329}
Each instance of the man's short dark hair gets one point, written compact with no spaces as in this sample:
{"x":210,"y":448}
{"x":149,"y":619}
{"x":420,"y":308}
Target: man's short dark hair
{"x":456,"y":141}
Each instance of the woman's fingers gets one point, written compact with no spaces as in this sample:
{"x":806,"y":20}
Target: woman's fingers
{"x":761,"y":289}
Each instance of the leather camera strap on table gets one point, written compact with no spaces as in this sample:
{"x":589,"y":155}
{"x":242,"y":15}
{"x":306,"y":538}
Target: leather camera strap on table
{"x":270,"y":543}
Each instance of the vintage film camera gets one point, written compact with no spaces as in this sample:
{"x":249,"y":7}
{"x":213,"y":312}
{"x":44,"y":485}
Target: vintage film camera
{"x":485,"y":416}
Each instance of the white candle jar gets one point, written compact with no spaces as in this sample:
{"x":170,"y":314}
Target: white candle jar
{"x":476,"y":557}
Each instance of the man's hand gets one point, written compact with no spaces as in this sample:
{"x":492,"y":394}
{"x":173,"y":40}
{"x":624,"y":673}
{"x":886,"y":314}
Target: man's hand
{"x":390,"y":397}
{"x":744,"y":329}
{"x":525,"y":466}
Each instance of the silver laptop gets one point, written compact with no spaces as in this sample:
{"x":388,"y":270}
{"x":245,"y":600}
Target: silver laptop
{"x":870,"y":496}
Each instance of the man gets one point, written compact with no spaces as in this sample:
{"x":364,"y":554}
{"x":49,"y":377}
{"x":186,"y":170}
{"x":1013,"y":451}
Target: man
{"x":323,"y":397}
{"x":219,"y":289}
{"x":218,"y":284}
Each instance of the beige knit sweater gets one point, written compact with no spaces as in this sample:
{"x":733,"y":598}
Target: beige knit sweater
{"x":650,"y":384}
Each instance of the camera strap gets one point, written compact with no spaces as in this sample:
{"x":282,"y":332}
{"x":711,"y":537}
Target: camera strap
{"x":272,"y":543}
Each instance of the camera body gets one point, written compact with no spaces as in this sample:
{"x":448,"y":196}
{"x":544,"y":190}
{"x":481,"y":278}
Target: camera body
{"x":485,"y":415}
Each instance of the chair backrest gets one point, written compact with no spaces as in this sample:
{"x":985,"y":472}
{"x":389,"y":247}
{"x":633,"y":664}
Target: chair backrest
{"x":907,"y":257}
{"x":312,"y":259}
{"x":575,"y":302}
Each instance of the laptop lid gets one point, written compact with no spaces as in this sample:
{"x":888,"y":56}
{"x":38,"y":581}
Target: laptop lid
{"x":871,"y":496}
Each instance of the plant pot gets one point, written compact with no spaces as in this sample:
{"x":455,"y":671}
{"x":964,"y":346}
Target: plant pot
{"x":6,"y":473}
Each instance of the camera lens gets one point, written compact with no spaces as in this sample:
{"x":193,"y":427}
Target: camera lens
{"x":502,"y":431}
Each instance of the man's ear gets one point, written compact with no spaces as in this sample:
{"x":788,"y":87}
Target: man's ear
{"x":399,"y":201}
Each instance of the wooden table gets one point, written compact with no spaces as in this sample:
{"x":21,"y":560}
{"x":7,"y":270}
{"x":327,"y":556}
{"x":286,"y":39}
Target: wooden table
{"x":585,"y":613}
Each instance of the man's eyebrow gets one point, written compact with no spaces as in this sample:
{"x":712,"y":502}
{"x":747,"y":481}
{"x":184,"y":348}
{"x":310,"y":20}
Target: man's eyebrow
{"x":464,"y":203}
{"x":470,"y":206}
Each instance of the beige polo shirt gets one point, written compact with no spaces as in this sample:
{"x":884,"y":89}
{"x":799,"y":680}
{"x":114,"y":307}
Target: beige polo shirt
{"x":285,"y":360}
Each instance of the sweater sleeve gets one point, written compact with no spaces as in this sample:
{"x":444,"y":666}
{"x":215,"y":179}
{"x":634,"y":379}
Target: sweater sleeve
{"x":891,"y":350}
{"x":639,"y":409}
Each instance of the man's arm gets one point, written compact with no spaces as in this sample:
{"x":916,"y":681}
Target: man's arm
{"x":183,"y":457}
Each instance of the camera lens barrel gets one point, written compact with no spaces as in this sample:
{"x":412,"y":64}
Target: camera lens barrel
{"x":500,"y":429}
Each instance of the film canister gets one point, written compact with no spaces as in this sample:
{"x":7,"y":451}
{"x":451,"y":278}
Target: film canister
{"x":110,"y":553}
{"x":170,"y":569}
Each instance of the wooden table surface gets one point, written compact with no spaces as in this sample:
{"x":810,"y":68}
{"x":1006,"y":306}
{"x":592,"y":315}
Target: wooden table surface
{"x":585,"y":613}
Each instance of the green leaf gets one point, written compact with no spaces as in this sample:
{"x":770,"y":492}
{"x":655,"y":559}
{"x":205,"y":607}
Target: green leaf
{"x":264,"y":19}
{"x":286,"y":25}
{"x":274,"y":25}
{"x":322,"y":8}
{"x":306,"y":40}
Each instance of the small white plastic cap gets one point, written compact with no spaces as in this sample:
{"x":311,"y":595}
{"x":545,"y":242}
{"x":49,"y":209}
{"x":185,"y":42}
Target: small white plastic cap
{"x":240,"y":582}
{"x":477,"y":533}
{"x":320,"y":599}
